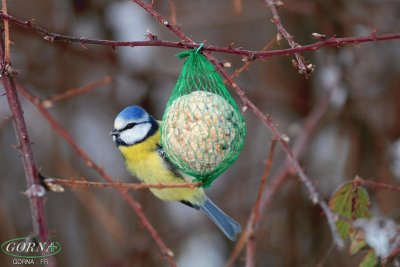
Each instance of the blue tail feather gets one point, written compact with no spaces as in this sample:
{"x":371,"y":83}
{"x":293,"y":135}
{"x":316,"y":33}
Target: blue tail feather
{"x":227,"y":225}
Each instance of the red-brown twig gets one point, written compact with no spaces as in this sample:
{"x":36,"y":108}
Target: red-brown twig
{"x":6,"y":34}
{"x":301,"y":65}
{"x":247,"y":64}
{"x":118,"y":185}
{"x":256,"y":211}
{"x":254,"y":217}
{"x":309,"y":127}
{"x":359,"y":181}
{"x":251,"y":251}
{"x":35,"y":191}
{"x":75,"y":91}
{"x":251,"y":55}
{"x":313,"y":194}
{"x":166,"y":252}
{"x":278,"y":179}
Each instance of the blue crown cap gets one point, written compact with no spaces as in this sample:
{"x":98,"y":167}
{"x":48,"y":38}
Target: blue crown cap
{"x":132,"y":113}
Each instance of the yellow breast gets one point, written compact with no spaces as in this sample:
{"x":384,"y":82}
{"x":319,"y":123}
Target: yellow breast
{"x":143,"y":161}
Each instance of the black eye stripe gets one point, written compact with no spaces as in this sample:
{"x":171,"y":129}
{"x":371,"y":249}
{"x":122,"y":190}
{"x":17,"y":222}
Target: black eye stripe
{"x":130,"y":126}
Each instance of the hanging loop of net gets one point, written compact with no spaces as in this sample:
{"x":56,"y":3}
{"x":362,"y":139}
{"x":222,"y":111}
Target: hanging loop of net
{"x":203,"y":130}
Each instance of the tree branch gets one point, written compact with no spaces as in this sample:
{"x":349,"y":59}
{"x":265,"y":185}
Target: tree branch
{"x":6,"y":34}
{"x":301,"y":65}
{"x":35,"y":191}
{"x":254,"y":217}
{"x":186,"y":44}
{"x":48,"y":102}
{"x":278,"y":179}
{"x":73,"y":183}
{"x":359,"y":181}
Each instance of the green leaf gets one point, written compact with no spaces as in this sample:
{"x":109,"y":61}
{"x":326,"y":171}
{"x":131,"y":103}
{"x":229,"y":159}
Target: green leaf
{"x":361,"y":204}
{"x":369,"y":260}
{"x":341,"y":203}
{"x":357,"y":239}
{"x":349,"y":202}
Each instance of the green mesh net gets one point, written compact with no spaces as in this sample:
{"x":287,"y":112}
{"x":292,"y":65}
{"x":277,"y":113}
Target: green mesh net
{"x":202,"y":130}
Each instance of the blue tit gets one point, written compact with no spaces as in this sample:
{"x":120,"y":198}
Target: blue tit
{"x":137,"y":136}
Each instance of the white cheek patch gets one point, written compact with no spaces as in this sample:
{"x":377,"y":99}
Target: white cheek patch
{"x":136,"y":134}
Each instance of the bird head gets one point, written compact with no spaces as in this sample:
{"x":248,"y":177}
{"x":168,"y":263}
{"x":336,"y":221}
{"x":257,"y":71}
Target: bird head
{"x":133,"y":125}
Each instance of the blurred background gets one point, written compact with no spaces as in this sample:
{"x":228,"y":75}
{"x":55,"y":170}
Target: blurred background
{"x":358,"y":134}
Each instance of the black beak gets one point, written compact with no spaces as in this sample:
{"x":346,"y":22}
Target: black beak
{"x":114,"y":132}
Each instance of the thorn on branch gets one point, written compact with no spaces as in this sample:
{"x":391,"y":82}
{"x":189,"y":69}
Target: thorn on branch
{"x":51,"y":186}
{"x":310,"y":68}
{"x":319,"y":36}
{"x":250,"y":58}
{"x":49,"y":38}
{"x":226,"y":64}
{"x":279,"y":3}
{"x":9,"y":71}
{"x":285,"y":138}
{"x":302,"y":68}
{"x":17,"y":147}
{"x":230,"y":46}
{"x":47,"y":103}
{"x":150,"y":36}
{"x":170,"y":253}
{"x":35,"y":191}
{"x":278,"y":37}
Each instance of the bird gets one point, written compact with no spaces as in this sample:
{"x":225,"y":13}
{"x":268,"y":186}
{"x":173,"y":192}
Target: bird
{"x":137,"y":136}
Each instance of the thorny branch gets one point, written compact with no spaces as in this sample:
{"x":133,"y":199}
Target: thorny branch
{"x":303,"y":67}
{"x":280,"y":176}
{"x":267,"y":120}
{"x":255,"y":215}
{"x":359,"y":181}
{"x":185,"y":44}
{"x":35,"y":191}
{"x":73,"y":183}
{"x":166,"y":252}
{"x":6,"y":34}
